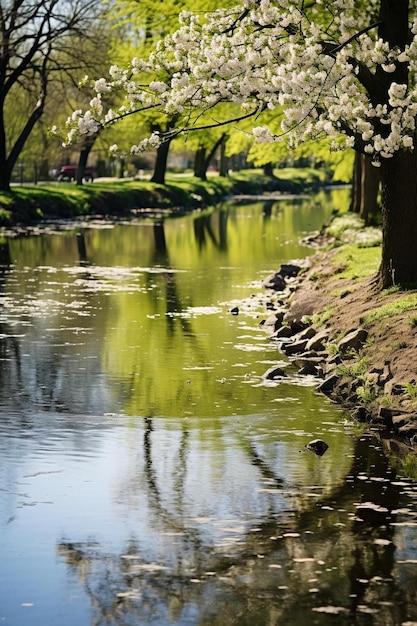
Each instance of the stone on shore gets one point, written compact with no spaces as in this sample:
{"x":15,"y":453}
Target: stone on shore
{"x":275,"y":282}
{"x":273,"y":373}
{"x":354,"y":340}
{"x":273,"y":322}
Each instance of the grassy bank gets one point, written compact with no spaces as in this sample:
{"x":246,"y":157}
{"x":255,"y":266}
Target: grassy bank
{"x":338,"y":294}
{"x":29,"y":203}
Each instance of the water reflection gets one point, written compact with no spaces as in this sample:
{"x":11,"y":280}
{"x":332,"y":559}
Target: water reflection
{"x":321,"y":558}
{"x":148,"y":472}
{"x":127,"y":307}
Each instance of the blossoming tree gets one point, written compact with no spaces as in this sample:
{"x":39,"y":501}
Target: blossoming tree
{"x":341,"y":69}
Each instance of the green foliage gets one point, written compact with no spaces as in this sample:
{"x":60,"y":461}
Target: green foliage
{"x":408,"y":466}
{"x":67,"y":199}
{"x":319,"y":319}
{"x":337,"y":164}
{"x":411,"y":388}
{"x":367,"y":392}
{"x":355,"y":369}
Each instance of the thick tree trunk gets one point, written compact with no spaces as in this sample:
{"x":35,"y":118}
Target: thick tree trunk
{"x":269,"y":170}
{"x":399,"y":220}
{"x":161,"y":163}
{"x":200,"y":166}
{"x":4,"y":167}
{"x":202,"y":159}
{"x":82,"y":163}
{"x":224,"y":160}
{"x":365,"y":187}
{"x":5,"y":176}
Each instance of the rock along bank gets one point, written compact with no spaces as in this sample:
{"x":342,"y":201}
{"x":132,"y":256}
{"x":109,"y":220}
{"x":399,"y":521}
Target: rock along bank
{"x":366,"y":363}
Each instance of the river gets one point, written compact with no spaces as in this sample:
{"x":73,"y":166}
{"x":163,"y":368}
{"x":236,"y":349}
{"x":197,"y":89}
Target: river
{"x":149,"y":474}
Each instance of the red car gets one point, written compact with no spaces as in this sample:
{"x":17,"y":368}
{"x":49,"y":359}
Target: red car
{"x":69,"y":172}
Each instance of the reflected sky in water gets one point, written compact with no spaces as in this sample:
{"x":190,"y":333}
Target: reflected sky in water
{"x":148,"y":473}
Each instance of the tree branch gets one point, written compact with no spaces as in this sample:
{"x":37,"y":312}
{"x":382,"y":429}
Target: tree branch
{"x":332,"y":49}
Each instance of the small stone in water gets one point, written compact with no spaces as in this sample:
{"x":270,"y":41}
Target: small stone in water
{"x":318,"y":446}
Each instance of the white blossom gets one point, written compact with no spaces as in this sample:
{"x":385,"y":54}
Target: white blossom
{"x":102,"y":86}
{"x":228,"y":56}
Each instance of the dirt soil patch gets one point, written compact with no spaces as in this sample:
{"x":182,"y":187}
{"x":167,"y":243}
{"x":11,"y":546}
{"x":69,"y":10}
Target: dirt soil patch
{"x":376,"y":380}
{"x":392,"y":339}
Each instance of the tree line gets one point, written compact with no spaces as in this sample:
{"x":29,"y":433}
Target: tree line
{"x":284,"y":73}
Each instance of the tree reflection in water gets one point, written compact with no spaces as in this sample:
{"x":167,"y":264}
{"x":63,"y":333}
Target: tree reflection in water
{"x":330,"y":556}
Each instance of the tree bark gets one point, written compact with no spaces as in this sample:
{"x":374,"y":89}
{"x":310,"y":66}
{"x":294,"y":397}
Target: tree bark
{"x":161,"y":163}
{"x":224,"y":160}
{"x":355,"y":205}
{"x":200,"y":167}
{"x":370,"y":179}
{"x":83,"y":158}
{"x":268,"y":169}
{"x":399,"y":173}
{"x":399,"y":223}
{"x":202,"y":159}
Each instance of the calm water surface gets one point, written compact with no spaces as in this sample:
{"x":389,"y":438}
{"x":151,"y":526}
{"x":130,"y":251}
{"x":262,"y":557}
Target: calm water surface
{"x":148,"y":473}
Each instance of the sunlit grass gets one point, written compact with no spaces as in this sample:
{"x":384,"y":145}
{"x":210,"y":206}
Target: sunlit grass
{"x":398,"y":307}
{"x":319,"y":319}
{"x":411,"y":389}
{"x":355,"y":369}
{"x":66,"y":199}
{"x":349,"y":228}
{"x":408,"y":466}
{"x":357,"y":262}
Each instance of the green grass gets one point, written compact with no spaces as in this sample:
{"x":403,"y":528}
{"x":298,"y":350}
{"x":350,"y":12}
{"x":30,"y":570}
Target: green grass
{"x":32,"y":202}
{"x":356,"y":369}
{"x":411,"y":390}
{"x":400,"y":306}
{"x":408,"y":466}
{"x":319,"y":319}
{"x":349,"y":228}
{"x":358,"y":262}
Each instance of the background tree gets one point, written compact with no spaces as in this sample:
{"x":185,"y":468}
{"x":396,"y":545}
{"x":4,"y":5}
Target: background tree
{"x":343,"y":70}
{"x":365,"y":189}
{"x":140,"y":26}
{"x":34,"y":38}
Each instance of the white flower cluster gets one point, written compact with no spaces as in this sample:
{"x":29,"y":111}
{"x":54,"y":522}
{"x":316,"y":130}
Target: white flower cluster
{"x":316,"y":68}
{"x":149,"y":143}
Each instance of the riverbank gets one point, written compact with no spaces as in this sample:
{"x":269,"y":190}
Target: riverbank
{"x":30,"y":204}
{"x":360,"y":343}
